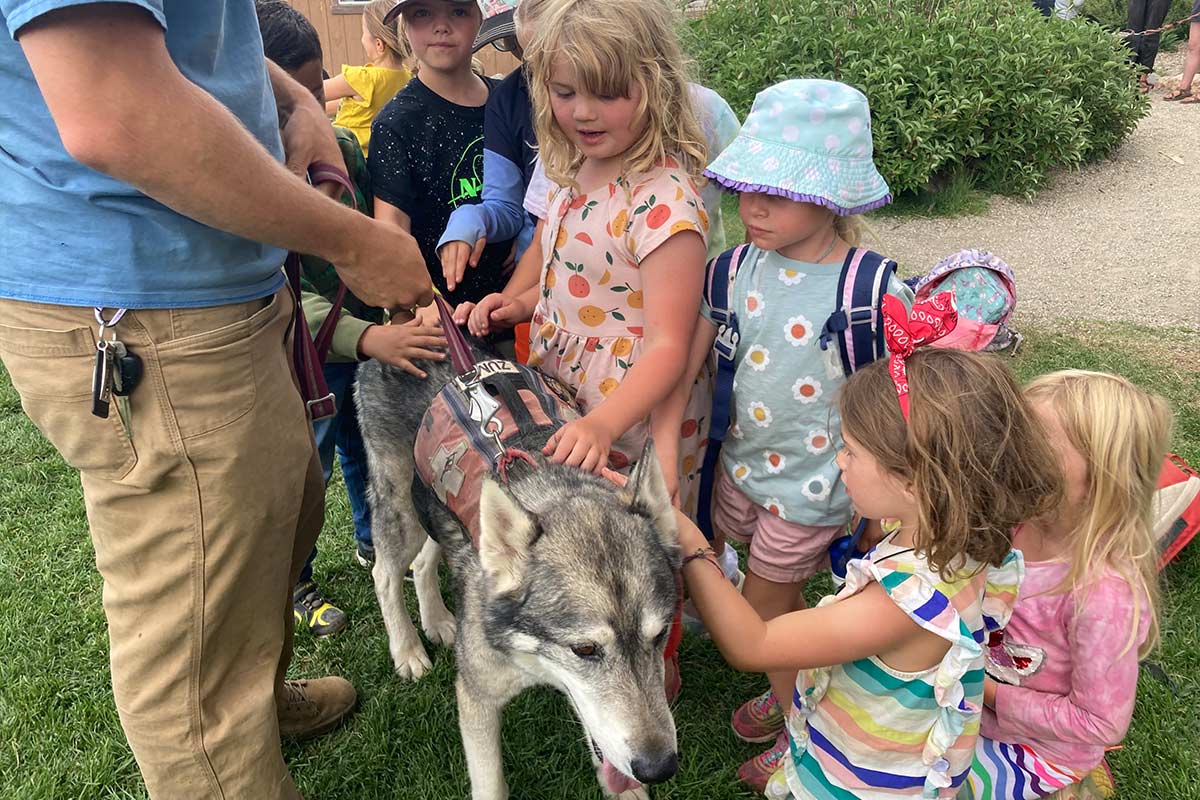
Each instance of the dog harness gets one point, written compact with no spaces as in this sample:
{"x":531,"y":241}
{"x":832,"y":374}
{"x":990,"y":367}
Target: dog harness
{"x":465,"y":434}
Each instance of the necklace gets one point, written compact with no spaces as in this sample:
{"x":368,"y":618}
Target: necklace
{"x":828,"y":250}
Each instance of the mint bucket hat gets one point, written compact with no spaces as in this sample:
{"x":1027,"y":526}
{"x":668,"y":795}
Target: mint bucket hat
{"x":810,"y":141}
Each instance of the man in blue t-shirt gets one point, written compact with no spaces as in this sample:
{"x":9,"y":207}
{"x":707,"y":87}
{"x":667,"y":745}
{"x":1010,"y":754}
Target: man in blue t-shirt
{"x":142,"y":184}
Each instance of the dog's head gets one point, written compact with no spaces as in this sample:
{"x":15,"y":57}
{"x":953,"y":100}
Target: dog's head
{"x":581,"y":584}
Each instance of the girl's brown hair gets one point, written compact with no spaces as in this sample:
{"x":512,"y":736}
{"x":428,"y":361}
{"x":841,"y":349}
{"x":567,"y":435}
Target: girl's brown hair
{"x":613,"y":46}
{"x":386,"y":32}
{"x":972,"y":451}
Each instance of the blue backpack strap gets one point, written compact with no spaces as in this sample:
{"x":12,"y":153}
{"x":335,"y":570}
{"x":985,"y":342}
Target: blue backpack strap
{"x":720,"y":278}
{"x":855,"y":322}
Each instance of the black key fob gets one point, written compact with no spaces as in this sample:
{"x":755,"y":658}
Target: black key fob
{"x":128,"y":373}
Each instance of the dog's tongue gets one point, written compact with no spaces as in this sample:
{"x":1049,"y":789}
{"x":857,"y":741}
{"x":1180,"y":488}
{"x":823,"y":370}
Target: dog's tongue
{"x":616,"y":780}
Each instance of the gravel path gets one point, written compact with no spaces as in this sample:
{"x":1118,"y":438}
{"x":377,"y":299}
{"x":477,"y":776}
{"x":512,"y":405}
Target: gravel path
{"x":1118,"y":240}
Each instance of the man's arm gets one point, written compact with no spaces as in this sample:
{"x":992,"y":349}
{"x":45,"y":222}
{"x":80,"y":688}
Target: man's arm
{"x":190,"y":153}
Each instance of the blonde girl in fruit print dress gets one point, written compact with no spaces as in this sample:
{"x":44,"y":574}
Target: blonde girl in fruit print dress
{"x":624,"y":243}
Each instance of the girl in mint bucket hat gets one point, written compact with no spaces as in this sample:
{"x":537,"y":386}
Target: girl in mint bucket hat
{"x":802,"y":167}
{"x":808,"y":141}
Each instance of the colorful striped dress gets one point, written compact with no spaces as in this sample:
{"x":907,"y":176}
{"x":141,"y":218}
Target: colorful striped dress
{"x":866,"y":731}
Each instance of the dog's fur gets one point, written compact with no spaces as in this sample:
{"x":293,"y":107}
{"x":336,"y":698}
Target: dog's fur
{"x":566,"y":562}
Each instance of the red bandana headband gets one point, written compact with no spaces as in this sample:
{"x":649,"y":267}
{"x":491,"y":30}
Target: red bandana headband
{"x":929,"y":321}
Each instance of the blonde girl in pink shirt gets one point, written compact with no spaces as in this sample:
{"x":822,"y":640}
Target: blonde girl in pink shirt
{"x":1063,"y":677}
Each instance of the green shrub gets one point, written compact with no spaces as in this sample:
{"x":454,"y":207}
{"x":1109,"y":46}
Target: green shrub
{"x":986,"y":86}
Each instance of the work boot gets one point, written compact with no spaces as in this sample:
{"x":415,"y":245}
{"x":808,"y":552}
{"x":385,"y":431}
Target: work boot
{"x":313,"y":708}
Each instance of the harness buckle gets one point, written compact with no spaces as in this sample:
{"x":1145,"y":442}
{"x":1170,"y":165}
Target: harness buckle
{"x":726,"y":343}
{"x":482,"y":408}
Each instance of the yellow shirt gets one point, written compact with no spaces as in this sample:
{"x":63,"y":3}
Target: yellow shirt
{"x":376,"y":86}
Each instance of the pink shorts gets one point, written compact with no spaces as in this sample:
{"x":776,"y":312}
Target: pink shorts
{"x":780,"y":551}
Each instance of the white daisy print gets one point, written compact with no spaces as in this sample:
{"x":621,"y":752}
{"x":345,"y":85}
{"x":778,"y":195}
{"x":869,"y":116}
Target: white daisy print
{"x":774,"y":461}
{"x":790,"y":277}
{"x":760,"y":414}
{"x":739,"y":473}
{"x":798,"y":331}
{"x":817,"y":442}
{"x":775,"y":506}
{"x":816,"y":488}
{"x":807,"y":389}
{"x":754,"y":304}
{"x":758,"y":357}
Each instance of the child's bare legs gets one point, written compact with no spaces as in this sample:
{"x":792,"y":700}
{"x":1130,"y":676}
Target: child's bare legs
{"x":770,"y":600}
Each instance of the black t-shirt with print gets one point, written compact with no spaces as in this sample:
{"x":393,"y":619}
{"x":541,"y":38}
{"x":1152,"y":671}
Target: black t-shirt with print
{"x":426,"y":160}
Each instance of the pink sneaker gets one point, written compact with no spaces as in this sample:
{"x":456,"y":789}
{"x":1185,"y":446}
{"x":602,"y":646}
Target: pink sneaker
{"x":756,"y":772}
{"x":758,"y":720}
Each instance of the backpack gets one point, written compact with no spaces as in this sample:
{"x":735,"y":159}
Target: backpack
{"x":855,"y":326}
{"x":1176,"y":508}
{"x":985,"y":294}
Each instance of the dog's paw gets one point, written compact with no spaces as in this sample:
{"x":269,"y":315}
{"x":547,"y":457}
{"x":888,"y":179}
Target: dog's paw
{"x":411,"y":662}
{"x":441,"y":629}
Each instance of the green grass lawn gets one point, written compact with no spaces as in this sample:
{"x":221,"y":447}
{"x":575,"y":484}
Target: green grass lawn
{"x":60,"y":738}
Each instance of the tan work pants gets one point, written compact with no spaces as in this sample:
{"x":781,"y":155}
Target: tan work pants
{"x":204,"y":496}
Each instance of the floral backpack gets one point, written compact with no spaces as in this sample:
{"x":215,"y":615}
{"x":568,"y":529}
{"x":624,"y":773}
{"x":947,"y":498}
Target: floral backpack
{"x":985,"y":294}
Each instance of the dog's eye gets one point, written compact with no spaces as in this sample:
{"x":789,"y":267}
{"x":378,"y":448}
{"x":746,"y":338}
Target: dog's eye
{"x":589,"y":651}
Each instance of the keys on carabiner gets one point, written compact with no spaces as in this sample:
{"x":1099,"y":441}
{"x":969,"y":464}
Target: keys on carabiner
{"x":102,"y":378}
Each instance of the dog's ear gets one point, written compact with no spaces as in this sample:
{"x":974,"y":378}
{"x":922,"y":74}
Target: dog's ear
{"x":648,"y":495}
{"x":505,"y":533}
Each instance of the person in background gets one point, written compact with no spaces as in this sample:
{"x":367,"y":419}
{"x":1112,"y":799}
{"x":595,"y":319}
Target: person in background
{"x":1145,"y":15}
{"x":1191,"y":65}
{"x":358,"y":94}
{"x":290,"y":41}
{"x":201,"y":481}
{"x":428,"y":154}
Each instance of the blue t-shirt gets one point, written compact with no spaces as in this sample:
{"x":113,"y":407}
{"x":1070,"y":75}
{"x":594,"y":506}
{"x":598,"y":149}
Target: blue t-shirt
{"x":74,"y":236}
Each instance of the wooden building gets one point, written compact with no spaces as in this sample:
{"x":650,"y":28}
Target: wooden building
{"x":339,"y":24}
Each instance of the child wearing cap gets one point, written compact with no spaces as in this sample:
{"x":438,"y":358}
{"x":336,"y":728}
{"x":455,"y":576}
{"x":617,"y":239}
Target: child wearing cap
{"x":802,"y":168}
{"x":509,"y":149}
{"x":427,"y":144}
{"x":359,"y":93}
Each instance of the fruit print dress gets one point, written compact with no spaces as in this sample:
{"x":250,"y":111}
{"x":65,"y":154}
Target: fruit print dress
{"x":587,"y":330}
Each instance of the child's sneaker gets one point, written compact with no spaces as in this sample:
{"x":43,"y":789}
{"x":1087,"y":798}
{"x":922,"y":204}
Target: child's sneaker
{"x":758,"y":720}
{"x":365,"y":555}
{"x":756,"y":772}
{"x":316,"y":613}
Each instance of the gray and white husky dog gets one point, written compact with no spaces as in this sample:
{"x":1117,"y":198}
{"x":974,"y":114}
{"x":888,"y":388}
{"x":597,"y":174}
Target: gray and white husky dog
{"x":573,"y":585}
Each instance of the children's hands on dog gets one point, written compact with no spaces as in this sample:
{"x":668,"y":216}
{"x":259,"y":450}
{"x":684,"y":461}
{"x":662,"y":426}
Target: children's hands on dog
{"x":582,"y":443}
{"x":456,"y":256}
{"x":494,"y":311}
{"x":401,"y":345}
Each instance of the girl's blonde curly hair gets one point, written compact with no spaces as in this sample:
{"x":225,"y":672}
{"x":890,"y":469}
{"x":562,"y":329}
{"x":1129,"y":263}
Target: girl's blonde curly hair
{"x":612,"y":46}
{"x":1123,"y":434}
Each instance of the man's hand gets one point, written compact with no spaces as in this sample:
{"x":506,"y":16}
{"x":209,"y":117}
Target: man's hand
{"x":400,"y":345}
{"x":375,"y":266}
{"x":456,"y":256}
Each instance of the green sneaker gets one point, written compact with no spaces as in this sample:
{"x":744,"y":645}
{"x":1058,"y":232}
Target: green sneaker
{"x":316,"y":613}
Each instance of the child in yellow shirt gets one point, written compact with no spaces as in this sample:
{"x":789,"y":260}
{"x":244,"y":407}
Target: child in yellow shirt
{"x":359,"y":93}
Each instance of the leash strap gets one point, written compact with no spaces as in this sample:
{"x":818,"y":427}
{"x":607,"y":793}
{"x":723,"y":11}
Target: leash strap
{"x":460,"y":353}
{"x":322,"y":172}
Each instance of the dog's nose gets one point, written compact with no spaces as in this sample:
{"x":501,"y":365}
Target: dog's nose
{"x":655,"y":769}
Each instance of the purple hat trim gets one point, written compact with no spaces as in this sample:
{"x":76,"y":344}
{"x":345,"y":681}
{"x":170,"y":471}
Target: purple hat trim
{"x":758,"y":188}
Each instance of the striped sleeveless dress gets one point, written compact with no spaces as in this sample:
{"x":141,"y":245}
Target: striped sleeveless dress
{"x":865,"y":731}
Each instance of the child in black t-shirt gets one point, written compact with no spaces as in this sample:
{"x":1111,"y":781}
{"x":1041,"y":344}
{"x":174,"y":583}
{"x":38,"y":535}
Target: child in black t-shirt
{"x":427,"y":143}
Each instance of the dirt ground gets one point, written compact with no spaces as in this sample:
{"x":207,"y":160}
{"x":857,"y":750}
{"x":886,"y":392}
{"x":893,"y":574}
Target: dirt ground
{"x":1117,"y":240}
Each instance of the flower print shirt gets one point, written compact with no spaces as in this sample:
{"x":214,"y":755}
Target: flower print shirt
{"x":785,"y":430}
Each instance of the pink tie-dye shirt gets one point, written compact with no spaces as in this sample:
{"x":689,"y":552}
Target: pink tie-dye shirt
{"x":1078,"y":695}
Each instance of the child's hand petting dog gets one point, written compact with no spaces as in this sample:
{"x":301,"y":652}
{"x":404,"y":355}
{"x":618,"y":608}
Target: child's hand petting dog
{"x":400,"y":345}
{"x":582,"y":443}
{"x":496,"y":310}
